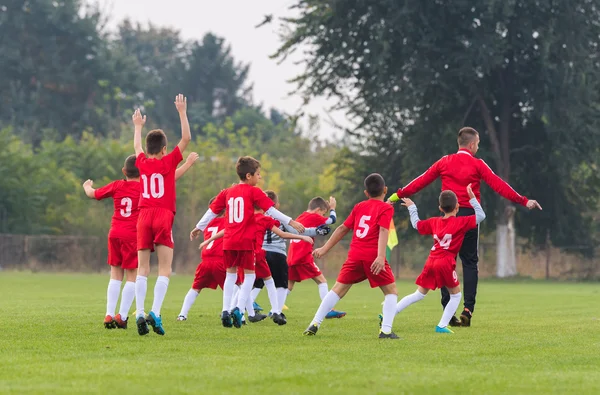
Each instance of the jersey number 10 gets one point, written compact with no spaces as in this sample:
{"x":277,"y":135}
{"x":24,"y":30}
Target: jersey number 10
{"x":157,"y":186}
{"x":236,"y":210}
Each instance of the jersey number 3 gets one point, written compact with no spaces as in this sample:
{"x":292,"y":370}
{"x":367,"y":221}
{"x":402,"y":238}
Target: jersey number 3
{"x":444,"y":243}
{"x":126,"y":205}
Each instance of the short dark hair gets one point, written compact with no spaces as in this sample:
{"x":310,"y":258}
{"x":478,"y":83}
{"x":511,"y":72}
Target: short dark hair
{"x":318,"y":202}
{"x":246,"y":165}
{"x":374,"y":184}
{"x":130,"y":170}
{"x":155,"y":141}
{"x":273,"y":196}
{"x":448,"y":201}
{"x":466,"y":135}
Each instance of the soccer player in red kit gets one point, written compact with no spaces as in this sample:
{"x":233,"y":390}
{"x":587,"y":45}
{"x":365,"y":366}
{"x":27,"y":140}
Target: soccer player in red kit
{"x":448,"y":233}
{"x":157,"y":211}
{"x":457,"y":171}
{"x":122,"y":247}
{"x":240,"y":231}
{"x":369,"y":222}
{"x":210,"y":273}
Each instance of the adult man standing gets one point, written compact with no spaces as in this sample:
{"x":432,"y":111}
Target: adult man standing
{"x":457,"y":171}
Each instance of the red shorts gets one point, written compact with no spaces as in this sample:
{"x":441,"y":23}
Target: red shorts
{"x":438,"y":273}
{"x":303,"y":271}
{"x":122,"y":253}
{"x":354,"y":272}
{"x":239,"y":258}
{"x":240,"y":276}
{"x":154,"y":226}
{"x":209,"y":274}
{"x":262,"y":267}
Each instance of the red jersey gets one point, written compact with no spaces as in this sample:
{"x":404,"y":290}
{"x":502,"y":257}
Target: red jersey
{"x":239,"y":202}
{"x":448,"y":234}
{"x":301,"y":251}
{"x":365,"y":220}
{"x":263,"y":223}
{"x":214,"y":249}
{"x":459,"y":170}
{"x":126,"y":198}
{"x":158,"y":179}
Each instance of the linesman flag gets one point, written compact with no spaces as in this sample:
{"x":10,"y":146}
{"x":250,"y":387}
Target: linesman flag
{"x":392,"y":241}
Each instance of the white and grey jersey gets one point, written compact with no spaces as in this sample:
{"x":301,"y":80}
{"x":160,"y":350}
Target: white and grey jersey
{"x":274,"y":243}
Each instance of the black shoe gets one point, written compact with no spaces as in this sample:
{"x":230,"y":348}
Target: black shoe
{"x":226,"y":319}
{"x":390,"y":335}
{"x":142,"y":326}
{"x":455,"y":321}
{"x":256,"y":317}
{"x":283,"y":316}
{"x":465,"y":317}
{"x":311,"y":330}
{"x":279,"y":319}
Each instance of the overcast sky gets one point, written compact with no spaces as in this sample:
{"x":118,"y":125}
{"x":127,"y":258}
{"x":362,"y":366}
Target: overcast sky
{"x":234,"y":20}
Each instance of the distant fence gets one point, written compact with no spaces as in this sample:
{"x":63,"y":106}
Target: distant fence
{"x":88,"y":254}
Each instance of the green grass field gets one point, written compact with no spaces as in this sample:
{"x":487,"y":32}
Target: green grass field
{"x":527,"y":337}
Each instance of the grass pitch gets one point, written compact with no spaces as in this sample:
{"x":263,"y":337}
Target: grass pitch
{"x":527,"y":337}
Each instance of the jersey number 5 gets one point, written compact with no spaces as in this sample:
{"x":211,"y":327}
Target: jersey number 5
{"x":444,"y":243}
{"x":126,"y":204}
{"x":157,"y":186}
{"x":363,"y":228}
{"x":236,"y":210}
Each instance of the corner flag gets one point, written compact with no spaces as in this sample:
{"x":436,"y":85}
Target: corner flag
{"x":392,"y":241}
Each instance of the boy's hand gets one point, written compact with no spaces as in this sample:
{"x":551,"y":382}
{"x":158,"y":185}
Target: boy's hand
{"x":88,"y":184}
{"x":323,"y":230}
{"x":192,"y":158}
{"x":203,"y":244}
{"x":531,"y":204}
{"x":332,"y":203}
{"x":470,"y":192}
{"x":181,"y":103}
{"x":319,"y":252}
{"x":297,"y":225}
{"x":393,"y":198}
{"x":307,"y":239}
{"x":406,"y":202}
{"x":194,"y":233}
{"x":378,"y":265}
{"x":138,"y":119}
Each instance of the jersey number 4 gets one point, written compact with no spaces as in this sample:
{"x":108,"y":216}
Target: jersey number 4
{"x":444,"y":243}
{"x":157,"y":186}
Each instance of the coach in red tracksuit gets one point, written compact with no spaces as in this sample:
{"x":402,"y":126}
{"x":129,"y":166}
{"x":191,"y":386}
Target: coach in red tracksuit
{"x":457,"y":171}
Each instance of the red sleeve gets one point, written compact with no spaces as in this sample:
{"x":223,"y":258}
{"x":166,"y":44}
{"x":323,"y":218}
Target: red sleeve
{"x":424,"y":226}
{"x":385,"y":218}
{"x":261,"y":199}
{"x":274,"y":223}
{"x":140,"y":159}
{"x":422,"y":181}
{"x":219,"y":203}
{"x":469,"y":222}
{"x":106,"y":191}
{"x":349,"y":222}
{"x":500,"y":186}
{"x":174,"y":157}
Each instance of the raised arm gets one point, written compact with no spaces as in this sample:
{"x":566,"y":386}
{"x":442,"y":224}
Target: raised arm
{"x":89,"y":190}
{"x":332,"y":215}
{"x":479,"y":213}
{"x":186,"y":135}
{"x":138,"y":125}
{"x":421,"y":182}
{"x":335,"y":238}
{"x":189,"y":162}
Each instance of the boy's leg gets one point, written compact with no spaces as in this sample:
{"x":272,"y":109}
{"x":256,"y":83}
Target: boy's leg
{"x":112,"y":296}
{"x":338,"y":291}
{"x":389,"y":307}
{"x":141,"y":281}
{"x":189,"y":300}
{"x":272,"y":293}
{"x":415,"y":297}
{"x":228,"y":290}
{"x":127,"y":296}
{"x":451,"y":307}
{"x":165,"y":261}
{"x":246,"y":286}
{"x":321,"y":284}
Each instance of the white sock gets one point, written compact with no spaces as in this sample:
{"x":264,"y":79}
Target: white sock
{"x":127,"y":299}
{"x":327,"y":304}
{"x":112,"y":296}
{"x":323,"y":290}
{"x":389,"y":312}
{"x":254,"y":293}
{"x":450,"y":310}
{"x":408,"y":300}
{"x":250,"y":308}
{"x":272,"y":292}
{"x":141,"y":286}
{"x":282,"y":294}
{"x":189,"y":300}
{"x":160,"y":291}
{"x":228,"y":289}
{"x":245,"y":290}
